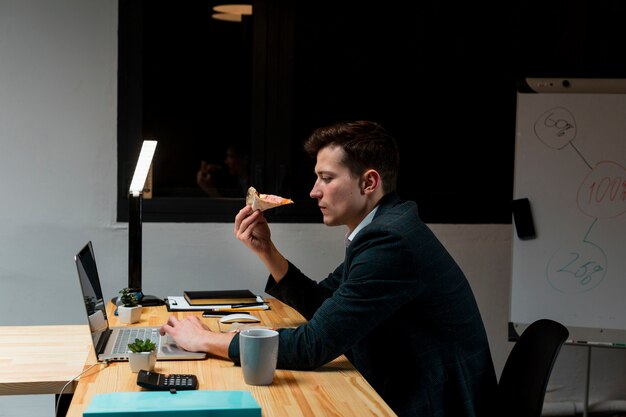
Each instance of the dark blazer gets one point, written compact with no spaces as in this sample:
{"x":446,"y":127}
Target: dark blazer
{"x":401,"y":309}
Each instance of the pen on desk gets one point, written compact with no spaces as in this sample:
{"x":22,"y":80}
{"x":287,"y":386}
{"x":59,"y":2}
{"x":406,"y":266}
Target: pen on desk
{"x":246,"y":305}
{"x":238,"y":310}
{"x":211,"y":313}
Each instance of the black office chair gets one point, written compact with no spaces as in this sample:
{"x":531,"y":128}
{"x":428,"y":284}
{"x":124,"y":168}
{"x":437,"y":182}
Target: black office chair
{"x":524,"y":379}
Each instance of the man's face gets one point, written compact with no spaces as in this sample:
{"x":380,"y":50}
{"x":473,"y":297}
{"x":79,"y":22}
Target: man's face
{"x":339,"y":194}
{"x":232,"y":161}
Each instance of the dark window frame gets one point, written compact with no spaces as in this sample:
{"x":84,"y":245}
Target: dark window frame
{"x":270,"y":127}
{"x":276,"y":119}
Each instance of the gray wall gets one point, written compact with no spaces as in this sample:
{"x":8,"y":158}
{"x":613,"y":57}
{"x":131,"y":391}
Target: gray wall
{"x":58,"y":63}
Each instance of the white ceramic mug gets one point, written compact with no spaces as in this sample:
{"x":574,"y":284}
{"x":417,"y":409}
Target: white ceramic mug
{"x":258,"y":350}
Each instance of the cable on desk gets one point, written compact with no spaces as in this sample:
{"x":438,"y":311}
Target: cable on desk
{"x":56,"y":407}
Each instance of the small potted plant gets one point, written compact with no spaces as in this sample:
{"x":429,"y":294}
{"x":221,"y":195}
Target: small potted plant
{"x":142,"y":355}
{"x":130,"y":310}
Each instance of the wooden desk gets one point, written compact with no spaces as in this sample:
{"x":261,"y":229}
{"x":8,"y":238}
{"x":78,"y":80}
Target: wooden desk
{"x":41,"y":359}
{"x":336,"y":389}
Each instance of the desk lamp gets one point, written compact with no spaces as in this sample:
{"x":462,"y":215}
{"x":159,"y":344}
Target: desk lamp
{"x":138,"y":188}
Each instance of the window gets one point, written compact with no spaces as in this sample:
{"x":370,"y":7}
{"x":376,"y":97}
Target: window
{"x":199,"y":85}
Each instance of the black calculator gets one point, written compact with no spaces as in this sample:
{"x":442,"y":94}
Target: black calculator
{"x":166,"y":382}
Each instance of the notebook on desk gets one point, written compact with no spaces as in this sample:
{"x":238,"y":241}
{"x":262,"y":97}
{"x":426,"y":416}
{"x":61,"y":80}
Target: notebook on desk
{"x":111,"y":342}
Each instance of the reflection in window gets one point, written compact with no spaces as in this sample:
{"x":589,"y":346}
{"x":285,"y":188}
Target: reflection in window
{"x":229,"y":178}
{"x":196,"y":98}
{"x":200,"y":85}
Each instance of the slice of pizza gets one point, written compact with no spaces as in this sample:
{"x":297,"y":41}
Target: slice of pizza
{"x":265,"y":201}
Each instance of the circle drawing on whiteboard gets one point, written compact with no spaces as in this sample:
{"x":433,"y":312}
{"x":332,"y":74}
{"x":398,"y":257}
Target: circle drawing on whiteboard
{"x":556,"y":128}
{"x":577,"y":268}
{"x":603,"y":192}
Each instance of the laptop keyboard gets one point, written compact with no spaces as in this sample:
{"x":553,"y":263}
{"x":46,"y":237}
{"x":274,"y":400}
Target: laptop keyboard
{"x":128,"y":335}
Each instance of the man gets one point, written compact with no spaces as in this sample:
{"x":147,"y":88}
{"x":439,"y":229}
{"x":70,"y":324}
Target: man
{"x":398,"y":307}
{"x":212,"y":179}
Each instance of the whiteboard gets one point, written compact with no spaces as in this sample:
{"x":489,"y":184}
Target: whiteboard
{"x":570,"y":162}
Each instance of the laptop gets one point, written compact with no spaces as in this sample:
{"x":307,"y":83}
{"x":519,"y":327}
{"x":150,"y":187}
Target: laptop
{"x":111,"y":342}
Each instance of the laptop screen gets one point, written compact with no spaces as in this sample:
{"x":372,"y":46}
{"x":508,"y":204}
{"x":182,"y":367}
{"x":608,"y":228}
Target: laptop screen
{"x":92,"y":294}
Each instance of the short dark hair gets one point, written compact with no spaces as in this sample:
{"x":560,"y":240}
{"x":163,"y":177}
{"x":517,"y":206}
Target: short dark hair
{"x":367,"y":145}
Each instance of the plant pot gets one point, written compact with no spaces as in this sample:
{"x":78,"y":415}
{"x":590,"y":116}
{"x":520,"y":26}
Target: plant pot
{"x":142,"y":360}
{"x":129,"y":315}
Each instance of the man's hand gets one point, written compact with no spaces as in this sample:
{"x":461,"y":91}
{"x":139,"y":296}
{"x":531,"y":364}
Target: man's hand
{"x":252,"y":230}
{"x":193,"y":335}
{"x":205,"y":180}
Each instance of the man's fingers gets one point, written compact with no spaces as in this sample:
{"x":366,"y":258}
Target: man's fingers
{"x":165,"y":329}
{"x":243,"y":221}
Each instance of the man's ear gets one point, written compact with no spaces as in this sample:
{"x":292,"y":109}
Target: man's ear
{"x":371,"y":181}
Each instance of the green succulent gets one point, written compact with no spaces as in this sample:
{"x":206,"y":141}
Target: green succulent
{"x":128,"y":298}
{"x":142,"y":346}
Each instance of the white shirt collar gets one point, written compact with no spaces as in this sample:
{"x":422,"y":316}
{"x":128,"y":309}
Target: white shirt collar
{"x":367,"y":220}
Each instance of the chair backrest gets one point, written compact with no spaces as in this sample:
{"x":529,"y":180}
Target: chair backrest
{"x":524,"y":379}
